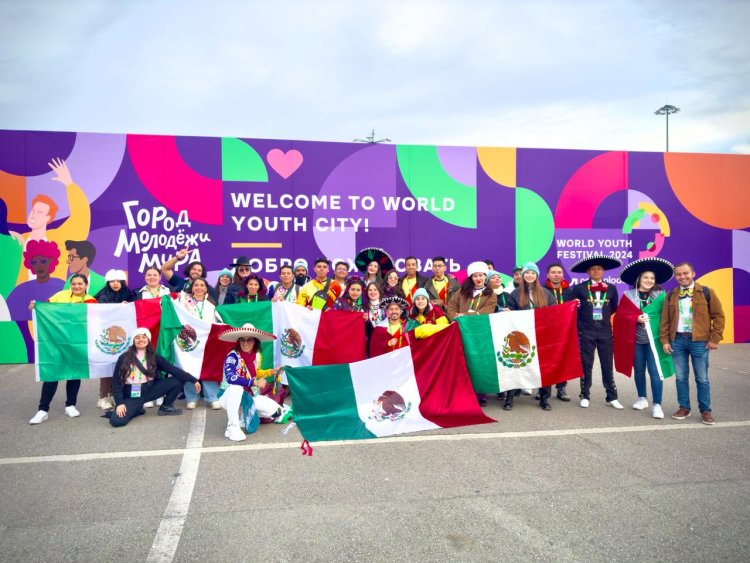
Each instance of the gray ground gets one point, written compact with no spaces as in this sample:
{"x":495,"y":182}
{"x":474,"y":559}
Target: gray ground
{"x":640,"y":495}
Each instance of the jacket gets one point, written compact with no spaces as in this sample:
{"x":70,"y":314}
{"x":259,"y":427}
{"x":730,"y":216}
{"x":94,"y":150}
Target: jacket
{"x":121,"y":391}
{"x":580,"y":291}
{"x":460,"y":304}
{"x":452,"y":287}
{"x":513,"y":302}
{"x":708,"y":318}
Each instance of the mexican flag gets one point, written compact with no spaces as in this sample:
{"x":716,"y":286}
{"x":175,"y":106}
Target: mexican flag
{"x":522,"y":349}
{"x":83,"y":341}
{"x":624,"y":336}
{"x":423,"y":386}
{"x":303,"y":337}
{"x":192,"y":343}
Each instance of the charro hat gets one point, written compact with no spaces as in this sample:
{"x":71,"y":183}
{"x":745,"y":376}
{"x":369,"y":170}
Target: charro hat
{"x":663,"y":270}
{"x":606,"y":262}
{"x":373,"y":254}
{"x":395,"y":299}
{"x":240,"y":261}
{"x":246,"y":331}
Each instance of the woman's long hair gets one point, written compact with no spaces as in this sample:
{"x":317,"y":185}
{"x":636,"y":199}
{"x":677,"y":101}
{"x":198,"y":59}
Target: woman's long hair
{"x":261,"y":286}
{"x":540,"y":296}
{"x":467,"y":288}
{"x":108,"y":295}
{"x":414,"y":311}
{"x":656,"y":287}
{"x":208,"y":295}
{"x":366,"y":299}
{"x":129,"y":356}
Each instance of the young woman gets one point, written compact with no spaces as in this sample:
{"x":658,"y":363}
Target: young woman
{"x":153,"y":289}
{"x":373,"y":273}
{"x":115,"y":290}
{"x":373,"y":295}
{"x":645,"y":277}
{"x":474,"y":298}
{"x":285,"y":289}
{"x":496,"y":284}
{"x":225,"y":290}
{"x":136,"y":380}
{"x":254,"y":291}
{"x":352,"y":300}
{"x":431,"y":319}
{"x":243,"y":380}
{"x":76,"y":294}
{"x":199,"y":304}
{"x":530,"y":294}
{"x":392,"y":286}
{"x":192,"y":271}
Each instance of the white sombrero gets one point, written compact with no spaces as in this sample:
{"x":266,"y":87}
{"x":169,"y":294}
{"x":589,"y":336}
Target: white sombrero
{"x":246,"y":331}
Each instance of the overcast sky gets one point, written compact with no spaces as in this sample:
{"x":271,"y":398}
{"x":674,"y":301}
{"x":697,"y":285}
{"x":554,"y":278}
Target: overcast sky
{"x":556,"y":74}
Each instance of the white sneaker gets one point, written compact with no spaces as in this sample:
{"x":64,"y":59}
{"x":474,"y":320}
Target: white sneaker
{"x":148,"y":405}
{"x":102,"y":403}
{"x":39,"y":417}
{"x":216,"y":405}
{"x":235,"y":433}
{"x":190,"y":405}
{"x":159,"y":401}
{"x":72,"y":412}
{"x":585,"y":403}
{"x":658,"y":413}
{"x":640,"y":404}
{"x":615,"y":404}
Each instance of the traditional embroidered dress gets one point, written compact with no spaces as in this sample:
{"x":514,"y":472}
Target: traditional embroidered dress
{"x":239,"y":374}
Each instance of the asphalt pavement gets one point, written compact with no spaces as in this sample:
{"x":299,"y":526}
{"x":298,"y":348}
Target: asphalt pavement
{"x":570,"y":484}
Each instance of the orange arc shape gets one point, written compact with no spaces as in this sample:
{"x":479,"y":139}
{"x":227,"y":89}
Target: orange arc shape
{"x":499,"y":163}
{"x":13,"y":191}
{"x":713,"y":187}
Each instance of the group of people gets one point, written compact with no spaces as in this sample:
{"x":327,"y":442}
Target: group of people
{"x":396,"y":310}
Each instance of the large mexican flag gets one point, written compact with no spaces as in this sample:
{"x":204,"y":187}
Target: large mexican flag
{"x":83,"y":341}
{"x":624,"y":336}
{"x":303,"y":337}
{"x":522,"y":349}
{"x":424,"y":386}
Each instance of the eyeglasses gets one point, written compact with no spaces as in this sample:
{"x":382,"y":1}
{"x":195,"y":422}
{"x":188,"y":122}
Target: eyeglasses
{"x":243,"y":268}
{"x":248,"y":340}
{"x":72,"y":257}
{"x":41,"y":262}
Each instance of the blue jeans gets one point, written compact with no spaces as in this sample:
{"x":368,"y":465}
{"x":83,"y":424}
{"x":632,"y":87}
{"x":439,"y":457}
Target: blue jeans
{"x":210,"y":391}
{"x":644,"y":357}
{"x":683,"y":349}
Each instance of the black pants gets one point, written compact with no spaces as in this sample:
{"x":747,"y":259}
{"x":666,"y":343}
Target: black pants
{"x":150,"y":391}
{"x":545,"y":393}
{"x":597,"y":337}
{"x":562,"y":386}
{"x":50,"y":387}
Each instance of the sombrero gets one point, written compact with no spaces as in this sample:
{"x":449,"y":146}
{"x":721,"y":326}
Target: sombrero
{"x":403,"y":303}
{"x":247,"y":331}
{"x":373,"y":254}
{"x":663,"y":270}
{"x":606,"y":262}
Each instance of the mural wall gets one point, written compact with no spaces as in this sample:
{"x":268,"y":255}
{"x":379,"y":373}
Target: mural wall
{"x":87,"y":202}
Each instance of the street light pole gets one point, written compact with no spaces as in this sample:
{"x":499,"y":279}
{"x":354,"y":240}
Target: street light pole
{"x":666,"y":110}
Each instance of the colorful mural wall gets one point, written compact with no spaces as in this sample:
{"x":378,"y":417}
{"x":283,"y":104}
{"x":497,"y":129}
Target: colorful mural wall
{"x":90,"y":202}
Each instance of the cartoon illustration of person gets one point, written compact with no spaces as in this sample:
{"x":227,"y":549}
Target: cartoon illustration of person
{"x":43,"y":212}
{"x":41,"y":257}
{"x":81,"y":254}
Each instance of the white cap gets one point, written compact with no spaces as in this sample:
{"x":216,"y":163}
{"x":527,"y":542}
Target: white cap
{"x":115,"y":275}
{"x":477,"y":267}
{"x":144,"y":331}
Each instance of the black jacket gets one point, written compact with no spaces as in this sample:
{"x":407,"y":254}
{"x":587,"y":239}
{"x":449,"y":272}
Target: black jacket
{"x":513,"y":303}
{"x":121,"y":391}
{"x":586,"y":310}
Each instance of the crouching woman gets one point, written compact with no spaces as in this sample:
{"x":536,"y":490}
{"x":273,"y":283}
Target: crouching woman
{"x":137,"y":380}
{"x":244,"y":382}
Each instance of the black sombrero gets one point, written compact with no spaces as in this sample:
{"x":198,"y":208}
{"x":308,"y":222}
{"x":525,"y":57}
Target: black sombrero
{"x":373,"y":254}
{"x":606,"y":262}
{"x":403,"y":303}
{"x":663,"y":270}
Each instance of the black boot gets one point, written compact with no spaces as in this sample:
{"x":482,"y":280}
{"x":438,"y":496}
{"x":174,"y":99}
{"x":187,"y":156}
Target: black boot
{"x":508,"y":406}
{"x":169,"y":410}
{"x":545,"y":405}
{"x":563,"y":395}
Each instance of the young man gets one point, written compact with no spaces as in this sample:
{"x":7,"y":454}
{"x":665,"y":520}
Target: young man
{"x":516,"y":280}
{"x":300,"y":272}
{"x":321,"y":292}
{"x":440,"y":287}
{"x":412,"y":280}
{"x":393,"y":332}
{"x":341,"y":272}
{"x":597,"y":301}
{"x":557,"y":285}
{"x":191,"y":272}
{"x":692,"y":324}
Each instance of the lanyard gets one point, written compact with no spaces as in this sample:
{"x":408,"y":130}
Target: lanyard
{"x":474,"y":303}
{"x":645,"y":302}
{"x":199,"y":307}
{"x":595,"y":302}
{"x":558,"y":294}
{"x":248,"y":300}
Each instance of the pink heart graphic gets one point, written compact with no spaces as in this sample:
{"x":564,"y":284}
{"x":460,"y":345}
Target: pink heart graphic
{"x":284,"y":164}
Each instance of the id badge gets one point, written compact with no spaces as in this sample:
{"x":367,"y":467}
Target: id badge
{"x":135,"y":391}
{"x":597,"y":313}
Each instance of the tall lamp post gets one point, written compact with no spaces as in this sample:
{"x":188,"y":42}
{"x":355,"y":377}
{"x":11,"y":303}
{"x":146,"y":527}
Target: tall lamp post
{"x":666,"y":110}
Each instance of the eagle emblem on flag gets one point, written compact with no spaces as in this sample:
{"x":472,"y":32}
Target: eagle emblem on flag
{"x":389,"y":406}
{"x":291,"y":344}
{"x":187,"y":339}
{"x":112,"y":340}
{"x":517,"y":351}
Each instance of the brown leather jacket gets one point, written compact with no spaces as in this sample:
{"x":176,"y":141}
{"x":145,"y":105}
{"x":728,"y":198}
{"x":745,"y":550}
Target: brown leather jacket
{"x":460,"y":304}
{"x":708,"y":319}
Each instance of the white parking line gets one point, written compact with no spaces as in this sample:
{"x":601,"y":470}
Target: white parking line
{"x":170,"y":528}
{"x":690,"y":425}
